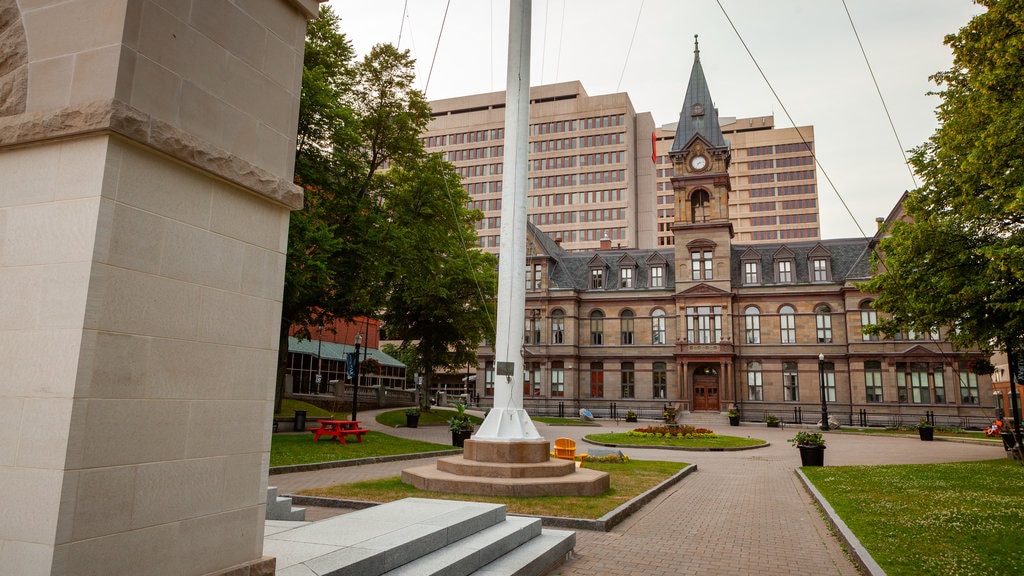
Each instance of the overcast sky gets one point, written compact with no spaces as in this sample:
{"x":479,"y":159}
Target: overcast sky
{"x":807,"y":50}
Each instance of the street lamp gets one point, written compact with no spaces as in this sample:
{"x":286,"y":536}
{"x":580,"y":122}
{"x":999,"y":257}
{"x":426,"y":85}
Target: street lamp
{"x":355,"y":383}
{"x":319,"y":356}
{"x":821,"y":382}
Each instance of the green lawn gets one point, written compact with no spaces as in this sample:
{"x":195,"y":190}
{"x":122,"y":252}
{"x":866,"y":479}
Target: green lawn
{"x":628,"y":480}
{"x":436,"y":417}
{"x":289,"y":449}
{"x":957,"y":519}
{"x":697,"y":443}
{"x":911,"y":431}
{"x":290,"y":405}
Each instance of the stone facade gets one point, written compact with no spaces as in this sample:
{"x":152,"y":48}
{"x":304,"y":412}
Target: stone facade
{"x":146,"y":150}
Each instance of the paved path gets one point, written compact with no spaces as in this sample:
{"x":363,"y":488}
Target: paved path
{"x":742,"y":512}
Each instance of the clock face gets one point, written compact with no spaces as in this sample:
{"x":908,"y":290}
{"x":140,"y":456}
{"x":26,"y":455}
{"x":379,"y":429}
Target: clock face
{"x":698,"y":162}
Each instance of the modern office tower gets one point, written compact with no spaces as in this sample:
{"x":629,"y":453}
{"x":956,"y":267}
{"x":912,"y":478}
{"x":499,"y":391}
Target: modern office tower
{"x":590,"y":164}
{"x":774,"y":182}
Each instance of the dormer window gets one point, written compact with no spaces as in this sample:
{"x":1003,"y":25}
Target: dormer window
{"x":784,"y":271}
{"x":533,"y":277}
{"x":751,"y":267}
{"x":596,"y":278}
{"x":625,"y":277}
{"x":819,"y":268}
{"x":657,"y":276}
{"x":819,"y":264}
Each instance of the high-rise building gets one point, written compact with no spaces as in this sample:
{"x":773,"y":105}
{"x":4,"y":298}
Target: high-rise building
{"x":774,"y":192}
{"x":589,"y":157}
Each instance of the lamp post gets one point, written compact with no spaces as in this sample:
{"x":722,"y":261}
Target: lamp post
{"x":319,"y":356}
{"x":355,"y":383}
{"x":821,"y":382}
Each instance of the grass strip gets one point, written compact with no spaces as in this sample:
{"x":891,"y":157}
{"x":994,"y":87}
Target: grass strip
{"x":436,"y":417}
{"x":291,"y":449}
{"x":628,"y":480}
{"x":621,"y":438}
{"x":955,"y":519}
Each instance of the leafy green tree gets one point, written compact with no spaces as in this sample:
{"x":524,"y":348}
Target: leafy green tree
{"x":443,"y":305}
{"x":958,"y":262}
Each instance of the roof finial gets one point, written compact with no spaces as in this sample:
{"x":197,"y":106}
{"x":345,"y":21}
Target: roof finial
{"x":696,"y":45}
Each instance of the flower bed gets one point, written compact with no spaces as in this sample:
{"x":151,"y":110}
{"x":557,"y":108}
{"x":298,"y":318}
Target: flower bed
{"x":679,"y":432}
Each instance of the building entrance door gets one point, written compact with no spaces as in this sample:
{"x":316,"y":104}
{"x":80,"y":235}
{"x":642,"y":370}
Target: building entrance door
{"x":705,"y":392}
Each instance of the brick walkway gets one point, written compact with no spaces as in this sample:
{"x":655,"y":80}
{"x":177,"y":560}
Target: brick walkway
{"x":741,"y":512}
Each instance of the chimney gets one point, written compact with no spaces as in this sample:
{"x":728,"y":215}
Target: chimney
{"x":878,"y":222}
{"x":606,"y":242}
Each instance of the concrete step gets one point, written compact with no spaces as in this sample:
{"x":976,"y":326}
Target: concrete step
{"x":280,"y":508}
{"x":463,"y":557}
{"x":416,"y":536}
{"x":535,"y":557}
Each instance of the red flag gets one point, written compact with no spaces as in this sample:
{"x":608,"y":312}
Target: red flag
{"x":654,"y":147}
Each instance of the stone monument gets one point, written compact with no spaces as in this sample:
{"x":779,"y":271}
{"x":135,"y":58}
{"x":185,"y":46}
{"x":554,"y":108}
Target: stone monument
{"x":146,"y":158}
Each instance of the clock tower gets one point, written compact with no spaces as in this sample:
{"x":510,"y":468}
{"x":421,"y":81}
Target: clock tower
{"x":700,"y":158}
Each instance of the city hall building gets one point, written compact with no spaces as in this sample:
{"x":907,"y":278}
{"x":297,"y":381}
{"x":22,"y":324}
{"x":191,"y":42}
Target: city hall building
{"x":708,"y":321}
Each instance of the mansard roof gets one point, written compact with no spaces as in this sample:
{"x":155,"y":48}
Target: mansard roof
{"x":850,"y":259}
{"x":704,"y":125}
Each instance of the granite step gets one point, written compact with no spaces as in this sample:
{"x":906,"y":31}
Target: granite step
{"x":536,"y":557}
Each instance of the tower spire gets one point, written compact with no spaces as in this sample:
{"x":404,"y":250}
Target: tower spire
{"x":696,"y":47}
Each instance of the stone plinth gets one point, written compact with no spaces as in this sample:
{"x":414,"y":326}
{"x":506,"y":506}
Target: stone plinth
{"x":507,"y":469}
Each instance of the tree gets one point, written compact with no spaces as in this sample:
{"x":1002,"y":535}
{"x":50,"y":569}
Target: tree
{"x":958,"y":261}
{"x":444,"y":305}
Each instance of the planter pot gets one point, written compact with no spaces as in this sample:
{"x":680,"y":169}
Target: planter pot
{"x":412,"y":421}
{"x":926,"y":434}
{"x":773,"y":424}
{"x":812,"y":455}
{"x":734,"y":420}
{"x":459,"y":437}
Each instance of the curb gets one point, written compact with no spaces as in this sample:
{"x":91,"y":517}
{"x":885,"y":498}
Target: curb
{"x":360,"y":461}
{"x":602,"y":524}
{"x":680,"y":448}
{"x":857,"y":551}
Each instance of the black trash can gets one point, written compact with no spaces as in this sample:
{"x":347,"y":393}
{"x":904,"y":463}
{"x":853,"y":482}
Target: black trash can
{"x":300,"y":420}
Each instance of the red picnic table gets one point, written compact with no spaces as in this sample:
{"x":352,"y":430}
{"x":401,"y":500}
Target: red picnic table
{"x":339,"y":429}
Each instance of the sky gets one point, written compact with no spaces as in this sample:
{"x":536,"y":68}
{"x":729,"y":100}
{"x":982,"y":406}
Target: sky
{"x":807,"y":50}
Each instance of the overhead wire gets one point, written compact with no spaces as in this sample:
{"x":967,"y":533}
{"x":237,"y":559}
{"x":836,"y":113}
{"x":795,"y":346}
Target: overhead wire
{"x":636,"y":26}
{"x":790,"y":117}
{"x":878,"y":90}
{"x":437,"y":45}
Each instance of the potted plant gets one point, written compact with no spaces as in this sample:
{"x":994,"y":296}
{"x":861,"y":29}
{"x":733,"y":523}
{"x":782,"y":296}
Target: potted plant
{"x":630,"y":416}
{"x":734,"y":417}
{"x":772,"y":420}
{"x":925,"y":430}
{"x":669,"y":413}
{"x":812,"y":448}
{"x":412,"y":418}
{"x":460,"y":425}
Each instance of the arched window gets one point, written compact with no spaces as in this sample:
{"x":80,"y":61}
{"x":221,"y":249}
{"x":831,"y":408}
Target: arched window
{"x":823,"y":321}
{"x":787,"y":324}
{"x":700,"y":206}
{"x":557,"y":327}
{"x":868,"y":316}
{"x":597,"y":327}
{"x":658,"y":327}
{"x":626,"y":325}
{"x":752,"y":323}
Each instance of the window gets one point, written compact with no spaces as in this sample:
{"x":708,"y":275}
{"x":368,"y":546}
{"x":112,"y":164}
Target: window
{"x":750,"y":272}
{"x":873,"y":380}
{"x":787,"y":324}
{"x":819,"y":267}
{"x":596,"y":278}
{"x":489,"y":378}
{"x":755,"y":391}
{"x":823,"y":321}
{"x":597,"y":380}
{"x":558,"y":379}
{"x":659,"y":380}
{"x":597,"y":328}
{"x":868,"y":316}
{"x":939,"y":384}
{"x":531,"y":379}
{"x":558,"y":327}
{"x":752,"y":321}
{"x":968,"y":384}
{"x":625,"y":277}
{"x":704,"y":324}
{"x":626,"y":325}
{"x":700,"y":206}
{"x":918,"y":380}
{"x":785,"y":268}
{"x":658,"y":327}
{"x":531,"y":335}
{"x":790,"y":382}
{"x":533,"y":277}
{"x":657,"y":277}
{"x":628,"y":380}
{"x":829,"y":377}
{"x":700,"y":264}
